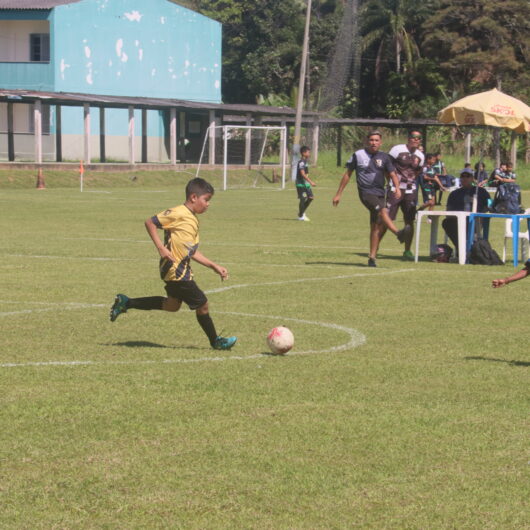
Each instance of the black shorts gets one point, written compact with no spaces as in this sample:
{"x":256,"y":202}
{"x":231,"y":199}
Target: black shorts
{"x":428,"y":194}
{"x":304,"y":192}
{"x":373,"y":203}
{"x":407,"y":203}
{"x":188,"y":292}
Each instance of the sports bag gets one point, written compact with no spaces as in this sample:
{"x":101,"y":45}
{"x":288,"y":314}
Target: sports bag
{"x":483,"y":254}
{"x":442,"y":253}
{"x":507,"y":199}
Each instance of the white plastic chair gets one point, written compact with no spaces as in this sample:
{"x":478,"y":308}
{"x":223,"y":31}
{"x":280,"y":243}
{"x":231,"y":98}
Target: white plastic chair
{"x":524,"y":239}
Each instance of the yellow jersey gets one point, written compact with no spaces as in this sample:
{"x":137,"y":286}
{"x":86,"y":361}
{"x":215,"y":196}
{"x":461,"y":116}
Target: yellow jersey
{"x":181,"y":238}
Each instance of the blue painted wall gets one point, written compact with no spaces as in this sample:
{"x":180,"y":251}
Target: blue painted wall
{"x":150,"y":48}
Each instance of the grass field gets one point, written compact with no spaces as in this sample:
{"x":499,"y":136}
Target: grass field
{"x":404,"y":403}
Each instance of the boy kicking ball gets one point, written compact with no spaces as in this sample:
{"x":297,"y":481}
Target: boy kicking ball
{"x":181,"y":241}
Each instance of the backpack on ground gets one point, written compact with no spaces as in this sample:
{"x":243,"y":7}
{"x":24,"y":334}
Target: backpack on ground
{"x":442,"y":253}
{"x":508,"y":199}
{"x":483,"y":254}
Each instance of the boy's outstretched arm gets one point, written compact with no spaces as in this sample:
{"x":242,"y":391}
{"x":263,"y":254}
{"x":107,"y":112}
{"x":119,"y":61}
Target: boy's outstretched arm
{"x":517,"y":276}
{"x":152,"y":230}
{"x":199,"y":257}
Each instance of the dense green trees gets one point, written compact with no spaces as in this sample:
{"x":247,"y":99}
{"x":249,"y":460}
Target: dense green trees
{"x":411,"y":57}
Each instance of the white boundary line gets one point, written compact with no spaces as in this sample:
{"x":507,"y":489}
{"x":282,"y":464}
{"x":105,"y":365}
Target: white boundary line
{"x":356,"y":339}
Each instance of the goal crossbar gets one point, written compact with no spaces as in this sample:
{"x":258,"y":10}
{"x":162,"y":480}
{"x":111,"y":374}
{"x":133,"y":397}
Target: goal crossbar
{"x":226,"y":131}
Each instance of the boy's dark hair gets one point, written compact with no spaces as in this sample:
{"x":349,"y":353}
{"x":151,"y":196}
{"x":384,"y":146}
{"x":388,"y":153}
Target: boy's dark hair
{"x":414,"y":132}
{"x":304,"y":149}
{"x":198,"y":186}
{"x":374,"y":133}
{"x":430,"y":155}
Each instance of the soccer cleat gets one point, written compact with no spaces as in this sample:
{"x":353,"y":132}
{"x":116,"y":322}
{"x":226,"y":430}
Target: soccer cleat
{"x":118,"y":307}
{"x":303,"y":218}
{"x":224,"y":343}
{"x":403,"y":233}
{"x":408,"y":255}
{"x":371,"y":262}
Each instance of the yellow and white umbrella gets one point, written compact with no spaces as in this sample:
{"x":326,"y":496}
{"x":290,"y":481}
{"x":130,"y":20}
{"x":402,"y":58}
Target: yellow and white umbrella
{"x":492,"y":108}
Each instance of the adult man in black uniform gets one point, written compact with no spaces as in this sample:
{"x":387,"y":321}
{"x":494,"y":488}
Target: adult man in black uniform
{"x":373,"y":168}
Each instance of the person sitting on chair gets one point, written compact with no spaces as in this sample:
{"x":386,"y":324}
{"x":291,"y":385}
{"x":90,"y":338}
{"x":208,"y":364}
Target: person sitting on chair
{"x":461,"y":200}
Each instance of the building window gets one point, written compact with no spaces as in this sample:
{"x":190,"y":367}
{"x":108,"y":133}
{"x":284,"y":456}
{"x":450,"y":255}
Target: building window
{"x":39,"y":47}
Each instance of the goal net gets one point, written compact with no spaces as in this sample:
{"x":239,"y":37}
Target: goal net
{"x":244,"y":156}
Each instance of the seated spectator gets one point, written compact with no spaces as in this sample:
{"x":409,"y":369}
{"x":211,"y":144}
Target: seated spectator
{"x":510,"y":173}
{"x":481,"y":175}
{"x":461,"y":200}
{"x":498,"y":175}
{"x":429,"y":183}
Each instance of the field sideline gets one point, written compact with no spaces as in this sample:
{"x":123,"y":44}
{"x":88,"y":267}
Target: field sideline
{"x":403,"y":405}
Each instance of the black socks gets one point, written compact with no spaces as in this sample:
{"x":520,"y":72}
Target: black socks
{"x":147,"y":304}
{"x":208,"y":327}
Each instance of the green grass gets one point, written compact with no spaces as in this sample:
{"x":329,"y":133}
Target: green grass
{"x":424,"y":425}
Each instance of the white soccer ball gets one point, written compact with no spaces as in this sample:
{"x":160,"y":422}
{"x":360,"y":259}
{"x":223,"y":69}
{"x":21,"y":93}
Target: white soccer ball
{"x":280,"y":340}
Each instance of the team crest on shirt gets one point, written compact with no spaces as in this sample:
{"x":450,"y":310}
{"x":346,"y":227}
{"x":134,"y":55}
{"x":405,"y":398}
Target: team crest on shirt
{"x":378,"y":162}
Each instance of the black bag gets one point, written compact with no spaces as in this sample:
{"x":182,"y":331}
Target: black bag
{"x":483,"y":254}
{"x":442,"y":253}
{"x":507,"y":199}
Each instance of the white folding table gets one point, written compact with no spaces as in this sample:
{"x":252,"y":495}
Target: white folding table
{"x":435,"y":218}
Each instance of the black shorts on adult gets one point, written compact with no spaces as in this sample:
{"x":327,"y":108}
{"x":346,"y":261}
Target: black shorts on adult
{"x":374,"y":204}
{"x":304,"y":192}
{"x":407,"y":203}
{"x":188,"y":292}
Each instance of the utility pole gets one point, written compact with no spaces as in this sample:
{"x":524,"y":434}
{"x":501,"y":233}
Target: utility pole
{"x":300,"y":99}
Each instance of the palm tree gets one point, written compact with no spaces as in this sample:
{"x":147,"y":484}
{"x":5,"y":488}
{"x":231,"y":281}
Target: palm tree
{"x":392,"y":26}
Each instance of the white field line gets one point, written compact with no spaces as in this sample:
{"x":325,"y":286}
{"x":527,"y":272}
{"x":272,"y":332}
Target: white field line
{"x":83,"y":258}
{"x":452,"y":267}
{"x":302,"y":280}
{"x":355,"y":339}
{"x":210,"y":243}
{"x":72,"y":305}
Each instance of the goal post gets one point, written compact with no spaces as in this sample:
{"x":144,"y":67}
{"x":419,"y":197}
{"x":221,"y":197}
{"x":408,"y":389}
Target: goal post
{"x":250,"y":156}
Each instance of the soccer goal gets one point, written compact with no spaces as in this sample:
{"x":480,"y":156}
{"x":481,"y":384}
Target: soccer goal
{"x":250,"y":156}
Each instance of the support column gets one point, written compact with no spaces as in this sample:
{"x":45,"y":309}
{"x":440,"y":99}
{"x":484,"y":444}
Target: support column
{"x":86,"y":114}
{"x":102,"y":132}
{"x":37,"y":128}
{"x":182,"y":137}
{"x":144,"y":136}
{"x":339,"y":145}
{"x":131,"y":135}
{"x":315,"y":140}
{"x":467,"y":142}
{"x":248,"y":139}
{"x":10,"y":133}
{"x":173,"y":135}
{"x":211,"y":138}
{"x":58,"y":134}
{"x":513,"y":150}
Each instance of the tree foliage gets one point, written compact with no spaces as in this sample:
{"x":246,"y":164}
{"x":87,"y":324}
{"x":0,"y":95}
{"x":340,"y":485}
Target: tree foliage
{"x":481,"y":42}
{"x":416,"y":56}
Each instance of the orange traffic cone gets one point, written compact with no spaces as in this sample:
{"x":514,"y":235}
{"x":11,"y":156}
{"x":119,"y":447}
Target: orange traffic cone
{"x":40,"y":180}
